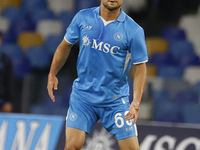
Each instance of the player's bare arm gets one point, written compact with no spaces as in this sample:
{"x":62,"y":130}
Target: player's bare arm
{"x":139,"y":86}
{"x":59,"y":59}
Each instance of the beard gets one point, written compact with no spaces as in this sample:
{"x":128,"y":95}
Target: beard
{"x":111,"y":8}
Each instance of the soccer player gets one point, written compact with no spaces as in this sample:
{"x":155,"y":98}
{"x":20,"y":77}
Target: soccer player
{"x":110,"y":41}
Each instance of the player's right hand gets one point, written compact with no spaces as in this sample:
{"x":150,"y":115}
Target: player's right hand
{"x":52,"y":85}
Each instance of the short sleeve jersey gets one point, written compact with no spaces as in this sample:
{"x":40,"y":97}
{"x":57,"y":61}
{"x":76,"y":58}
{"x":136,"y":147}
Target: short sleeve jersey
{"x":105,"y":57}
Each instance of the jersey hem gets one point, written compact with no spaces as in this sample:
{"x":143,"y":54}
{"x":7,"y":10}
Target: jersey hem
{"x":113,"y":103}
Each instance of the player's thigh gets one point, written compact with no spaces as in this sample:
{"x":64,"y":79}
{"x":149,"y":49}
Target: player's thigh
{"x":129,"y":144}
{"x":81,"y":115}
{"x":114,"y":121}
{"x":75,"y":138}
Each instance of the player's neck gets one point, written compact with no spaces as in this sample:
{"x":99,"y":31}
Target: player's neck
{"x":108,"y":15}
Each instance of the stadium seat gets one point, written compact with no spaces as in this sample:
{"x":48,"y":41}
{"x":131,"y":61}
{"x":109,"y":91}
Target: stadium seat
{"x":59,"y":6}
{"x":157,"y":83}
{"x":27,"y":39}
{"x":173,"y":33}
{"x":52,"y":43}
{"x":39,"y":58}
{"x":161,"y":95}
{"x":50,"y":27}
{"x":197,"y":87}
{"x":151,"y":70}
{"x":83,"y":4}
{"x":192,"y":74}
{"x":175,"y":85}
{"x":189,"y":60}
{"x":12,"y":50}
{"x":14,"y":14}
{"x":170,"y":72}
{"x":41,"y":14}
{"x":156,"y":44}
{"x":22,"y":26}
{"x":191,"y":113}
{"x":9,"y":37}
{"x":167,"y":111}
{"x":66,"y":18}
{"x":21,"y":67}
{"x":7,"y":3}
{"x":4,"y":24}
{"x":20,"y":63}
{"x":161,"y":59}
{"x":195,"y":40}
{"x":31,"y":6}
{"x":191,"y":23}
{"x":186,"y":96}
{"x":177,"y":48}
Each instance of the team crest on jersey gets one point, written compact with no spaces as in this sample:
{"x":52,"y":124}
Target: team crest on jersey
{"x":86,"y":40}
{"x":73,"y":117}
{"x":118,"y":36}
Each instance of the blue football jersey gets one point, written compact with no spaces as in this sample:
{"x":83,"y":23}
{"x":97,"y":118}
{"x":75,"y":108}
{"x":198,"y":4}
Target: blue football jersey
{"x":107,"y":50}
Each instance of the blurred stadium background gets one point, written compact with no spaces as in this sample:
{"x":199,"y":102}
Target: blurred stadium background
{"x":32,"y":29}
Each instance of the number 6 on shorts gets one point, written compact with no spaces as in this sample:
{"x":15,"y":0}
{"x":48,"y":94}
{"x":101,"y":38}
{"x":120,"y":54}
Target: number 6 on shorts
{"x":119,"y":120}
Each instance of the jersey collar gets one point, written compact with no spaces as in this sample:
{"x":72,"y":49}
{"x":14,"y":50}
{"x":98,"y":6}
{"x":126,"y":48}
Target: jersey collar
{"x":120,"y":18}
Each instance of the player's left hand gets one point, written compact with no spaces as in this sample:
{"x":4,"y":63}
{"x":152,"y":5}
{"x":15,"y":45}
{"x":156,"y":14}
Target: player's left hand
{"x":133,"y":111}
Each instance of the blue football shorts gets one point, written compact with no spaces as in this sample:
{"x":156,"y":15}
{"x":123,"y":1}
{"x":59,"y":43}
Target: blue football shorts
{"x":84,"y":116}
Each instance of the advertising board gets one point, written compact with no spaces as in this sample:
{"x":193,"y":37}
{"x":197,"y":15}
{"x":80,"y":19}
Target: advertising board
{"x":29,"y":132}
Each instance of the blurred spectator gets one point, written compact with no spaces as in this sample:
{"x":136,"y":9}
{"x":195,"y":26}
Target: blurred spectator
{"x":6,"y":82}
